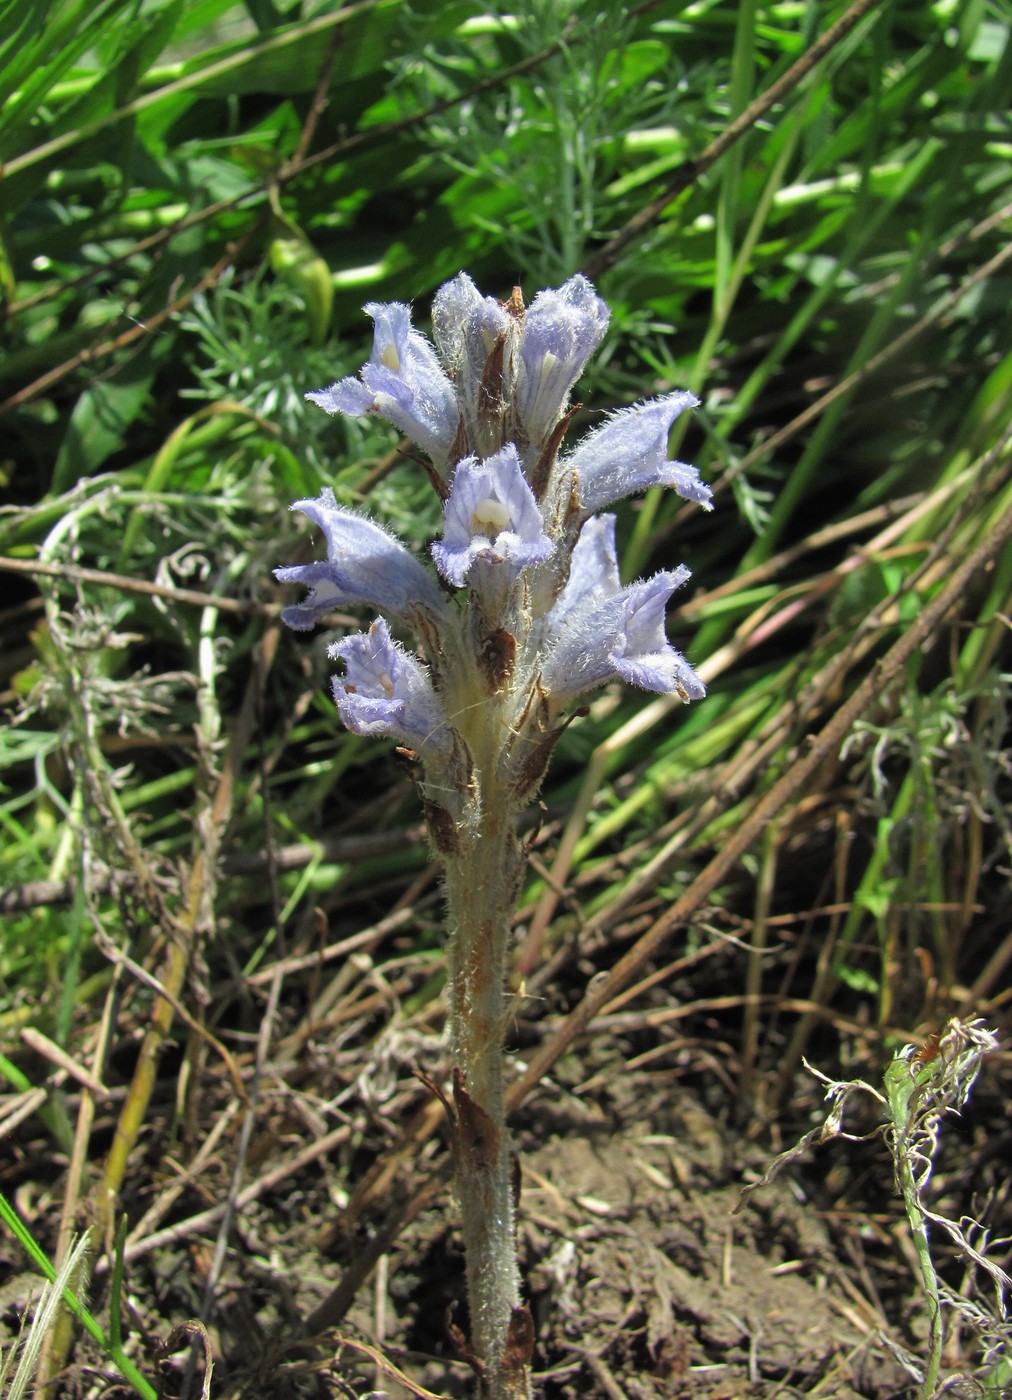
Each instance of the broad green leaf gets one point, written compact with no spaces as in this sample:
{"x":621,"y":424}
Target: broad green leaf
{"x":100,"y":421}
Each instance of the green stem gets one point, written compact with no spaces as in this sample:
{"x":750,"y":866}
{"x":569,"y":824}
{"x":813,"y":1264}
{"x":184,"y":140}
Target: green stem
{"x":929,"y":1279}
{"x":906,"y":1084}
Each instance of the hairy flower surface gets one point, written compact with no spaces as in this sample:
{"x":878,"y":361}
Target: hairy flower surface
{"x":401,"y":381}
{"x":561,"y":331}
{"x":491,"y":514}
{"x":364,"y":565}
{"x":465,"y":326}
{"x":384,"y":691}
{"x":593,"y":571}
{"x":629,"y":453}
{"x":599,"y":631}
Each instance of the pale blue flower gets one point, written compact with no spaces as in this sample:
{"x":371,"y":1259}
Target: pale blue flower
{"x":385,"y":691}
{"x":599,"y":632}
{"x":402,"y":381}
{"x":476,"y":338}
{"x":561,"y":330}
{"x":364,"y":565}
{"x":629,"y":453}
{"x":491,"y":515}
{"x":466,"y":327}
{"x":593,"y":570}
{"x":507,"y":653}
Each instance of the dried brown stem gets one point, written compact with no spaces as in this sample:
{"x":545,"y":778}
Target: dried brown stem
{"x":690,"y":172}
{"x":824,"y":745}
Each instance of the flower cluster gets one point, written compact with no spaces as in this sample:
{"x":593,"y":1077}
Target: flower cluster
{"x":526,"y":610}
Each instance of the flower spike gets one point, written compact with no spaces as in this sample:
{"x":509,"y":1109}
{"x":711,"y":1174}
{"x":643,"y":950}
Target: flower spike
{"x":523,"y":613}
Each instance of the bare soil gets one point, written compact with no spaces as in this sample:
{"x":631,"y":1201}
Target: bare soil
{"x":643,"y":1277}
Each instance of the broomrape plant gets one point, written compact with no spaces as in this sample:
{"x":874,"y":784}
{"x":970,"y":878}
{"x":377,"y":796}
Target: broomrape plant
{"x":524,"y":614}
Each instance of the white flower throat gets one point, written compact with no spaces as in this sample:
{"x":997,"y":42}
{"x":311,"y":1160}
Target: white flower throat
{"x":490,"y":517}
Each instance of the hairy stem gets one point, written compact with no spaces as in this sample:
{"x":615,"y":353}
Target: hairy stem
{"x":481,"y":884}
